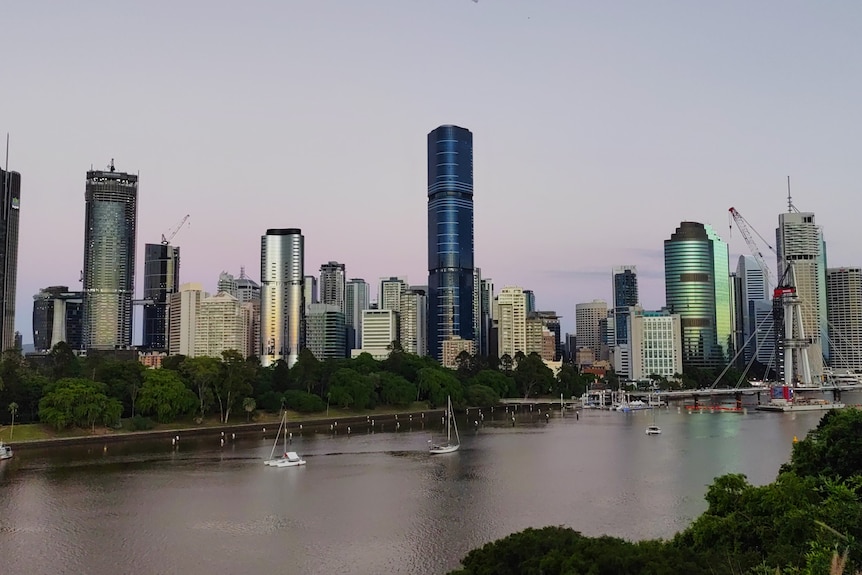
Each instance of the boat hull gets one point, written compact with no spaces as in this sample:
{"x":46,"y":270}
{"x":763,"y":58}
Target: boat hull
{"x":794,"y":407}
{"x":290,"y":463}
{"x":438,"y":449}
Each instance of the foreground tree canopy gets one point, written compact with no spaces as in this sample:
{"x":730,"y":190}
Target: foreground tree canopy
{"x":797,"y":525}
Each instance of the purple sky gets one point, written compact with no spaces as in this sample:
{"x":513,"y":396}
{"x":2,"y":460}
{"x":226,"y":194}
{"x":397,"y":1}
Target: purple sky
{"x":598,"y":127}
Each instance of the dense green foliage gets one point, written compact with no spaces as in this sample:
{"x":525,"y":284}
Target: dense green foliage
{"x":201,"y":387}
{"x":796,"y":525}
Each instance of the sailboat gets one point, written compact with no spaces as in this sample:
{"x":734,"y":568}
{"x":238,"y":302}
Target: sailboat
{"x":653,"y":429}
{"x":290,"y":458}
{"x":448,"y":446}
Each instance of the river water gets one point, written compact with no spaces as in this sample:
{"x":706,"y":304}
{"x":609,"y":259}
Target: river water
{"x":372,"y":503}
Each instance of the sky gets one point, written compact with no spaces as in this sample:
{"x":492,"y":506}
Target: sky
{"x":597,"y":126}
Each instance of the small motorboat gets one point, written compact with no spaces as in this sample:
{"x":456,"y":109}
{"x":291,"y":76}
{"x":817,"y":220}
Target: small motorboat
{"x":5,"y":451}
{"x":653,"y":430}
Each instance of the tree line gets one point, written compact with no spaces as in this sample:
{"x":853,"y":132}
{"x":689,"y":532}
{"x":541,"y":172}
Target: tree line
{"x":63,"y":390}
{"x":807,"y":522}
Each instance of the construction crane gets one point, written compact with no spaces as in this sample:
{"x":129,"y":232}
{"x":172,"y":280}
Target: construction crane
{"x":745,"y":229}
{"x":174,"y":231}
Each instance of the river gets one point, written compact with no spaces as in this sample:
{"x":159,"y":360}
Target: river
{"x":371,"y":503}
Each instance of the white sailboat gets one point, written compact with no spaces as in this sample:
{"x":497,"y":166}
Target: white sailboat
{"x":653,"y":429}
{"x":448,"y":446}
{"x":289,"y":458}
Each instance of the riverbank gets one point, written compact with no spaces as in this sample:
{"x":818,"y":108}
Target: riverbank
{"x":340,"y":422}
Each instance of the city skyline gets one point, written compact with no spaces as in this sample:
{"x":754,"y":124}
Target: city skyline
{"x":613,"y":104}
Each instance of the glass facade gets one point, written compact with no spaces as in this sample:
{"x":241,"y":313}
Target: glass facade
{"x":697,"y":287}
{"x":282,"y":306}
{"x":109,"y":258}
{"x":625,"y":296}
{"x":10,"y":184}
{"x":161,"y":279}
{"x":450,"y":236}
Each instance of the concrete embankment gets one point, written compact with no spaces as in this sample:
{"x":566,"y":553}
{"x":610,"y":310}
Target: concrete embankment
{"x":380,"y":422}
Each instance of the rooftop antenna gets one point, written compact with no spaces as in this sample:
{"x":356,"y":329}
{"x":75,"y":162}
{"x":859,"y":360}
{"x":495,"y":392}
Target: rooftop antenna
{"x":789,"y":200}
{"x":111,"y":167}
{"x":7,"y":151}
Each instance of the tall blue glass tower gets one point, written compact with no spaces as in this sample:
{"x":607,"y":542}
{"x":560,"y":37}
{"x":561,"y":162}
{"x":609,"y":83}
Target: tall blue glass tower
{"x":450,"y":236}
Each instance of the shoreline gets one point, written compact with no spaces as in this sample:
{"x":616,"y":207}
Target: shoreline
{"x":380,"y":422}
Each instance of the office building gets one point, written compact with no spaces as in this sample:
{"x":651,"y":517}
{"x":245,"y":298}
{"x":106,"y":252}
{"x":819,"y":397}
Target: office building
{"x":413,"y":321}
{"x":332,"y":284}
{"x":282,"y":309}
{"x":58,"y":315}
{"x":487,"y":305}
{"x":222,"y":324}
{"x":390,"y":292}
{"x":656,"y":343}
{"x":511,"y":313}
{"x":183,"y":311}
{"x":531,"y":300}
{"x":454,"y":347}
{"x":589,"y":317}
{"x":450,"y":236}
{"x":161,"y":279}
{"x":109,"y":258}
{"x":752,"y":300}
{"x":697,"y":287}
{"x":325,"y":334}
{"x":356,"y":300}
{"x":844,"y":307}
{"x":800,"y":246}
{"x":309,"y":291}
{"x":625,"y":288}
{"x":10,"y":186}
{"x":226,"y":284}
{"x":379,"y":330}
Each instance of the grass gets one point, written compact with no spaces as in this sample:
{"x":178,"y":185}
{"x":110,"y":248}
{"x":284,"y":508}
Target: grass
{"x":38,"y":431}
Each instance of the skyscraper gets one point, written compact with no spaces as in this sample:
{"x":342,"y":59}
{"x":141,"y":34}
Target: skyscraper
{"x":625,"y":285}
{"x":390,"y":292}
{"x":10,"y":184}
{"x":753,"y":299}
{"x":109,"y":257}
{"x":356,"y":300}
{"x":282,"y":264}
{"x":799,"y":244}
{"x":450,"y":236}
{"x":697,"y":287}
{"x":332,"y":284}
{"x":844,"y":299}
{"x":161,"y":279}
{"x":588,"y":321}
{"x":57,"y":316}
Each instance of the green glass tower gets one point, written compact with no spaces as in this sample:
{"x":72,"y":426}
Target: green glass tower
{"x":697,"y":287}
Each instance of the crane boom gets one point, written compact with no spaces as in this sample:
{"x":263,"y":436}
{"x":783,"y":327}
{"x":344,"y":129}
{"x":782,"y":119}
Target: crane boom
{"x":745,"y":229}
{"x":174,"y":231}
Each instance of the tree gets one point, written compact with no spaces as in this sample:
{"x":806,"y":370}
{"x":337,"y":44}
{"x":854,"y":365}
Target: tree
{"x":234,"y":382}
{"x":13,"y":409}
{"x":63,"y":361}
{"x":305,"y":373}
{"x":503,"y":385}
{"x":78,"y":401}
{"x":202,"y":375}
{"x":395,"y":390}
{"x":832,"y":449}
{"x":249,"y":405}
{"x":533,"y":376}
{"x":436,"y":383}
{"x":164,"y":394}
